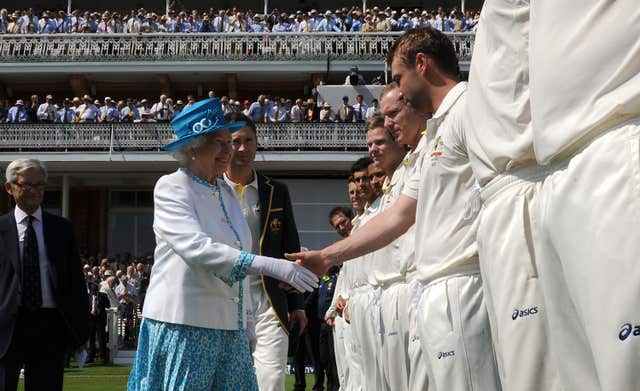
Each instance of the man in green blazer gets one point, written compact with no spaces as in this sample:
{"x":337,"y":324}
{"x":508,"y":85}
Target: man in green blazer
{"x":277,"y":309}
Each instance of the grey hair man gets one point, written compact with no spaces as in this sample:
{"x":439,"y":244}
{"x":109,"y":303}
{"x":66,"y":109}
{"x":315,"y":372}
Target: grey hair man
{"x":43,"y":287}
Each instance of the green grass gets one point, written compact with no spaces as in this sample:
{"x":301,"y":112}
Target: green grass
{"x":114,"y":378}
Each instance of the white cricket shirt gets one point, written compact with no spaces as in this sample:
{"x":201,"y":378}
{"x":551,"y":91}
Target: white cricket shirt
{"x":447,"y":194}
{"x":585,"y":70}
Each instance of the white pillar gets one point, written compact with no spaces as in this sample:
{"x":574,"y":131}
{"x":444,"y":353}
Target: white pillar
{"x":266,"y":7}
{"x":68,"y":7}
{"x":462,"y":6}
{"x":386,"y":72}
{"x":166,"y":7}
{"x":364,"y":6}
{"x":65,"y":195}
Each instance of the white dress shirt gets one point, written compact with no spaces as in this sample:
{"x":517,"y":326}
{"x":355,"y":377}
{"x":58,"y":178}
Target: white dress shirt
{"x":46,"y":112}
{"x":22,"y":221}
{"x":249,"y":198}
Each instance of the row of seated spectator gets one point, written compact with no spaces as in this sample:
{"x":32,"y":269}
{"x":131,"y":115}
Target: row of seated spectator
{"x":263,"y":110}
{"x":233,"y":20}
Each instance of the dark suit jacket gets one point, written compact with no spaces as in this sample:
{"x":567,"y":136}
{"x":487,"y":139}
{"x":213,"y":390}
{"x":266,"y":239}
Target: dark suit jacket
{"x":68,"y":284}
{"x":278,"y":235}
{"x":350,"y":115}
{"x":103,"y":304}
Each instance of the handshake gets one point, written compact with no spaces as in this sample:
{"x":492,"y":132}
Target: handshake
{"x":301,"y":274}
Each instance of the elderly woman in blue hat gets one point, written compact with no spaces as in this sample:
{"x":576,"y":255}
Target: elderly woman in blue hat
{"x":193,"y":333}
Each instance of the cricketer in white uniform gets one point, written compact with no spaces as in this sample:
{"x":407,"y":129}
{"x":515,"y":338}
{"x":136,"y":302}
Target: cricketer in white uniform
{"x":585,"y":107}
{"x":340,"y":326}
{"x":444,"y":202}
{"x":500,"y":143}
{"x":401,"y":356}
{"x":361,"y":307}
{"x":387,"y":155}
{"x":266,"y":205}
{"x":351,"y":283}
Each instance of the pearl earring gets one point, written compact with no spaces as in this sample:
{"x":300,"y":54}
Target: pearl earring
{"x":193,"y":158}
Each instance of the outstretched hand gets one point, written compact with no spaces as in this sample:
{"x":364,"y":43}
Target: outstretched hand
{"x":312,"y":260}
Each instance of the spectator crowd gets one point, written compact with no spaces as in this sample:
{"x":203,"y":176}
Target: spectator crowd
{"x":264,"y":109}
{"x":234,"y":20}
{"x":119,"y":284}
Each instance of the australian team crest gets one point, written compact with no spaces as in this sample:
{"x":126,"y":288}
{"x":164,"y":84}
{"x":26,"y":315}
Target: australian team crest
{"x":276,"y":225}
{"x":437,"y":150}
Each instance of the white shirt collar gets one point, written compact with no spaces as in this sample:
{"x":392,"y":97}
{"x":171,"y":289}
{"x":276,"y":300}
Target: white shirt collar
{"x":450,"y":99}
{"x":20,"y":214}
{"x":253,"y":183}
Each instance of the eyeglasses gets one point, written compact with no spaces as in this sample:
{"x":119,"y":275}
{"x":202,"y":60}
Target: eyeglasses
{"x":30,"y":186}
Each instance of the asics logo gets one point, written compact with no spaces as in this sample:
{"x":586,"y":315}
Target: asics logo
{"x":522,"y":313}
{"x":627,"y":330}
{"x":442,"y":355}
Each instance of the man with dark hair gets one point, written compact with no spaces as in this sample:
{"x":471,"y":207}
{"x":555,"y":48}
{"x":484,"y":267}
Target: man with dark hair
{"x":360,"y":175}
{"x":266,"y":205}
{"x":340,"y":219}
{"x":333,"y":316}
{"x":442,"y":199}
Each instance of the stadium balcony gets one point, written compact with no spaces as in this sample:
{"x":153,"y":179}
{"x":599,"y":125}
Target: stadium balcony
{"x":326,"y":147}
{"x":203,"y":51}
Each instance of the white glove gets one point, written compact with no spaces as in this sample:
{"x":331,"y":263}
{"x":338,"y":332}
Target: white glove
{"x":293,"y":274}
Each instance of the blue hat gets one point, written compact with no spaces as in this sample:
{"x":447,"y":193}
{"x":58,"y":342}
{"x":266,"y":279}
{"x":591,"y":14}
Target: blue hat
{"x":200,"y":118}
{"x":345,"y":98}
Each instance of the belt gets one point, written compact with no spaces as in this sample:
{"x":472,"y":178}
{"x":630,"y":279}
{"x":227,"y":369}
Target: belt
{"x":457,"y":272}
{"x":508,"y":179}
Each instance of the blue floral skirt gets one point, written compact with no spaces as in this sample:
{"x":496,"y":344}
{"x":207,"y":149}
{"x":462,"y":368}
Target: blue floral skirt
{"x":178,"y":357}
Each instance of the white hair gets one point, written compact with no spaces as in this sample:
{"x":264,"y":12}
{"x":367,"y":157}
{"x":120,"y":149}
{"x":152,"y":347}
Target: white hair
{"x":182,"y":155}
{"x":21,"y":165}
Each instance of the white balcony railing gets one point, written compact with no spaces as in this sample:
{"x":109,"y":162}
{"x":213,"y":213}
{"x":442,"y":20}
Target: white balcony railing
{"x":152,"y":136}
{"x":62,"y":48}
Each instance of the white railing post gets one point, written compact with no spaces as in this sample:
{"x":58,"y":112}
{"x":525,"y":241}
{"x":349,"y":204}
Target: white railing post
{"x":111,"y":141}
{"x":112,"y":327}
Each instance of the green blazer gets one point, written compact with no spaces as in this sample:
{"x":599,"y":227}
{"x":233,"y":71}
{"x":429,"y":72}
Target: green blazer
{"x":278,"y":235}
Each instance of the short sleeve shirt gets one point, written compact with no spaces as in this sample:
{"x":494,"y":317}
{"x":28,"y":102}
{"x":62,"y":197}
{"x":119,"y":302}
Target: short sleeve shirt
{"x":446,"y":192}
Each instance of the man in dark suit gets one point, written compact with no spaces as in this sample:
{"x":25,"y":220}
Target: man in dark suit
{"x":43,"y":297}
{"x":98,"y":304}
{"x":266,"y":204}
{"x":345,"y":113}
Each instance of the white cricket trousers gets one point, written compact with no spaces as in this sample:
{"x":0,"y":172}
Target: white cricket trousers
{"x":340,"y":349}
{"x":455,"y":334}
{"x":270,"y":355}
{"x":364,"y":311}
{"x":589,"y":257}
{"x":353,"y":358}
{"x":401,"y":358}
{"x":512,"y":290}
